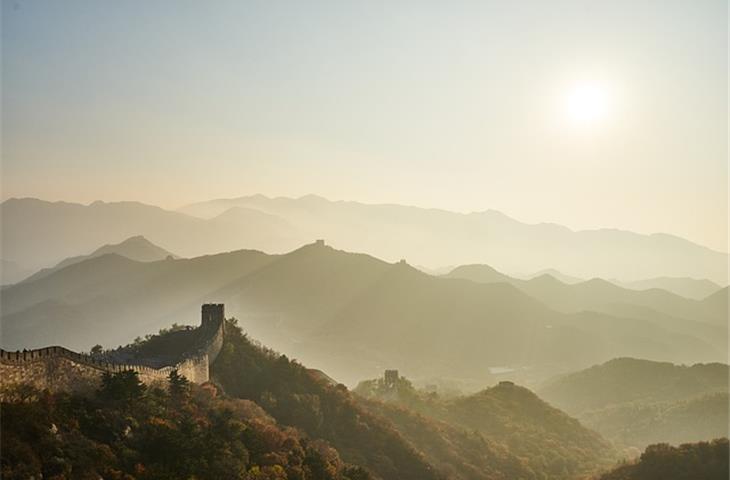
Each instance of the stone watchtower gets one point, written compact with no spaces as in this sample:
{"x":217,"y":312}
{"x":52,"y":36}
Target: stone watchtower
{"x":212,"y":314}
{"x":390,"y":378}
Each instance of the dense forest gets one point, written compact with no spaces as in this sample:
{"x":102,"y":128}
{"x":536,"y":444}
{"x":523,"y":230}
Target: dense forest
{"x":696,"y":461}
{"x":636,"y":402}
{"x":549,"y":442}
{"x":641,"y":424}
{"x":127,"y":431}
{"x":264,"y":416}
{"x":297,"y":397}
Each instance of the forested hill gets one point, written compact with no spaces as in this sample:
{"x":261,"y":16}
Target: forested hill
{"x":297,"y":397}
{"x":629,"y":380}
{"x":128,"y":431}
{"x":697,"y":461}
{"x":549,"y":442}
{"x":266,"y":416}
{"x":639,"y":402}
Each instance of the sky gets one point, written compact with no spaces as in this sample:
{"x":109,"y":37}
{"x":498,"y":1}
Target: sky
{"x":585,"y":113}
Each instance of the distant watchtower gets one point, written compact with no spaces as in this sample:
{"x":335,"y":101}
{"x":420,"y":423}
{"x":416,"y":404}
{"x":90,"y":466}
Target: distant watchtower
{"x":212,"y":314}
{"x":390,"y":378}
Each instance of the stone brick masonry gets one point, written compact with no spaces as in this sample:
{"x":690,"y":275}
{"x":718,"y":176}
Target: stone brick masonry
{"x":60,"y":369}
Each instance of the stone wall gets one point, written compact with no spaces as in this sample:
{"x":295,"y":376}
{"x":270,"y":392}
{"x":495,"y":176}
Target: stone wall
{"x":60,"y":369}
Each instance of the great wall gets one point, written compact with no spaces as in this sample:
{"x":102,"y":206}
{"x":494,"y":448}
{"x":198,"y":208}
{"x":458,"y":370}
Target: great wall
{"x":60,"y":369}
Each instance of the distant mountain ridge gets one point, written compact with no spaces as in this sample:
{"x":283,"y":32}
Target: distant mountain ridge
{"x":428,"y":237}
{"x":134,"y":248}
{"x":351,"y":313}
{"x":28,"y":224}
{"x":603,"y":296}
{"x":697,"y":289}
{"x":438,"y":237}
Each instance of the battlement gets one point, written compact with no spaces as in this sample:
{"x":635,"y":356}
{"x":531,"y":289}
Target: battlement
{"x":57,"y":368}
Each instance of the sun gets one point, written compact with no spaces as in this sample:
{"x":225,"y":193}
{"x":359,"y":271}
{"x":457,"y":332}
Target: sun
{"x":587,"y":103}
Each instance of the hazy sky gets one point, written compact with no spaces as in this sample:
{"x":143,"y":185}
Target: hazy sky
{"x":585,"y":113}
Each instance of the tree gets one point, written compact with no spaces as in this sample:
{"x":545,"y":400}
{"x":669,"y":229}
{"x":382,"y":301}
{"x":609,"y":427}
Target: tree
{"x":123,"y":386}
{"x":179,"y":385}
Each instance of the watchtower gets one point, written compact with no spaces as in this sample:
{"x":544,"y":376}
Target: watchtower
{"x":390,"y":378}
{"x":212,"y":314}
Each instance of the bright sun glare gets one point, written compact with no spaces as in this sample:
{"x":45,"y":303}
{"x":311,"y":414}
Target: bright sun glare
{"x":587,"y":103}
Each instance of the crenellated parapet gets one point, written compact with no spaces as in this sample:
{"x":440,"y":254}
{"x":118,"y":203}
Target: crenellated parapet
{"x":57,"y":368}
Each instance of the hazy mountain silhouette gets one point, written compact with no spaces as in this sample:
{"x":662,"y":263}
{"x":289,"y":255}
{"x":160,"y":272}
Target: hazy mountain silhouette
{"x":569,"y":279}
{"x":434,"y":237}
{"x":135,"y":248}
{"x":78,"y":229}
{"x":349,"y":314}
{"x":718,"y":301}
{"x":426,"y":237}
{"x":706,"y":319}
{"x":686,"y":287}
{"x":638,"y":402}
{"x":11,"y":272}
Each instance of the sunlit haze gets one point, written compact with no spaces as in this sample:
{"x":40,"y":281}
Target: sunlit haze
{"x":587,"y":114}
{"x":364,"y":240}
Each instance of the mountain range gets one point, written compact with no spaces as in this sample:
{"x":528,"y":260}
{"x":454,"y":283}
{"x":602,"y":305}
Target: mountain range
{"x":547,"y":440}
{"x":135,"y":248}
{"x":353,"y":315}
{"x":428,"y":237}
{"x":705,"y":319}
{"x":636,"y":402}
{"x":683,"y":286}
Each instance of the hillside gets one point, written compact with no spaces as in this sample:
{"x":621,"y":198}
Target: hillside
{"x":630,"y":380}
{"x":263,"y":416}
{"x":295,"y":397}
{"x":329,"y":308}
{"x":703,"y":460}
{"x":427,"y":237}
{"x":266,"y":416}
{"x":128,"y":431}
{"x":547,"y":440}
{"x":135,"y":248}
{"x":457,"y":452}
{"x":348,"y":314}
{"x":639,"y":402}
{"x":639,"y":424}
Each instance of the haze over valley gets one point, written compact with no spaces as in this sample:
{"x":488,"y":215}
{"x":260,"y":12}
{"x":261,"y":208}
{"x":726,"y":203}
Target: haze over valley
{"x":348,"y":313}
{"x":249,"y":240}
{"x":426,"y":237}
